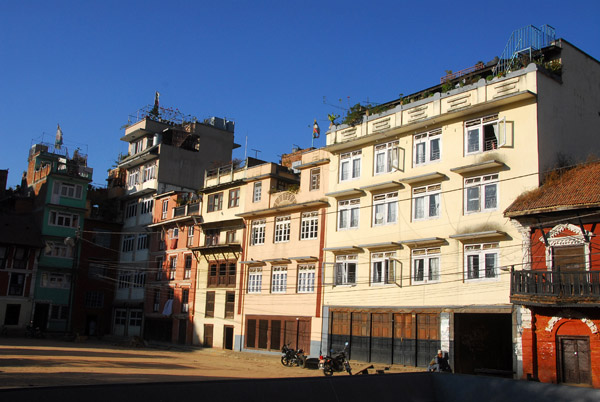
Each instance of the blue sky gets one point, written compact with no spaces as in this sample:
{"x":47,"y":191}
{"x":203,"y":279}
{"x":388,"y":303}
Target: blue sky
{"x":267,"y":65}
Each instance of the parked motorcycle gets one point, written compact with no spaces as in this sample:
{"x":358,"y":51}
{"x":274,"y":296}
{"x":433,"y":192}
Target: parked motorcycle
{"x":338,"y":362}
{"x":292,"y":357}
{"x":33,"y":331}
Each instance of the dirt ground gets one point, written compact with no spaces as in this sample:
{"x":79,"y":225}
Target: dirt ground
{"x":46,"y":362}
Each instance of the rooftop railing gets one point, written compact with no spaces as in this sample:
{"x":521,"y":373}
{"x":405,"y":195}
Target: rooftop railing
{"x":553,"y":285}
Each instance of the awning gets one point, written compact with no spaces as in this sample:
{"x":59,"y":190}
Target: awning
{"x":475,"y":167}
{"x":424,"y":242}
{"x":478,"y":235}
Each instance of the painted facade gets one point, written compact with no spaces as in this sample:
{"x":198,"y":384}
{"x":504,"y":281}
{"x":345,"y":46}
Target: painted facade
{"x":280,"y":288}
{"x":417,"y":246}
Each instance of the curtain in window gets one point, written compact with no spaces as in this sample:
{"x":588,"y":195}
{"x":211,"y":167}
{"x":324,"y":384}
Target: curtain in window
{"x":392,"y":158}
{"x":434,"y":269}
{"x":419,"y":208}
{"x":392,"y":211}
{"x":490,"y":196}
{"x":490,"y":265}
{"x":473,"y":199}
{"x":473,"y":140}
{"x":434,"y":205}
{"x":354,"y":217}
{"x":355,"y":168}
{"x":419,"y":269}
{"x":472,"y":266}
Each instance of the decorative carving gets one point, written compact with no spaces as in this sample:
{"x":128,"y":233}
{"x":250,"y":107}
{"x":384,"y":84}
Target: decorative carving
{"x":284,"y":198}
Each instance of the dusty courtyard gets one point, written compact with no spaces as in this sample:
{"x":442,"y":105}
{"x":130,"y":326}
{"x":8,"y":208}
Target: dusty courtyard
{"x":45,"y":362}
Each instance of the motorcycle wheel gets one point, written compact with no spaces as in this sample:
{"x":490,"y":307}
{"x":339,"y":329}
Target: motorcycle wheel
{"x":285,"y":361}
{"x":327,"y":370}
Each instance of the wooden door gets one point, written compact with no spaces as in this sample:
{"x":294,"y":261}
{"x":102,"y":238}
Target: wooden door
{"x":228,"y":337}
{"x":405,"y":342}
{"x":208,"y":336}
{"x":574,"y":364}
{"x":381,"y":338}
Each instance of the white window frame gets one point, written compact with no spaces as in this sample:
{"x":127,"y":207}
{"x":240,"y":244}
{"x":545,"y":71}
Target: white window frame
{"x":190,"y":235}
{"x":350,"y":165}
{"x":257,"y":191}
{"x":165,"y":209}
{"x":383,"y":268}
{"x":279,"y":279}
{"x":385,"y":205}
{"x":426,"y":265}
{"x":54,"y":280}
{"x":345,"y":270}
{"x":475,"y":187}
{"x":133,"y":177}
{"x":147,"y":206}
{"x":149,"y":171}
{"x":475,"y":134}
{"x":306,"y":278}
{"x":477,"y":262}
{"x":424,"y":151}
{"x":62,"y":219}
{"x":142,"y":242}
{"x":255,"y":279}
{"x":386,"y":157}
{"x":257,"y":235}
{"x":282,"y":229}
{"x":172,"y":267}
{"x":131,"y":209}
{"x":59,"y":250}
{"x":68,"y":190}
{"x":128,"y":243}
{"x":348,"y":214}
{"x":309,"y":225}
{"x":315,"y":179}
{"x":430,"y":198}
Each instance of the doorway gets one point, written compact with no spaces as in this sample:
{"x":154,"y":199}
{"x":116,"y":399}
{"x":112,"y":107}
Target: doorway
{"x":208,"y":336}
{"x":574,"y":364}
{"x":228,"y":337}
{"x":182,"y":331}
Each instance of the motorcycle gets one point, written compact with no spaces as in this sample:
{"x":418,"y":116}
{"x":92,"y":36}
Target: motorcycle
{"x":336,"y":363}
{"x":292,"y":357}
{"x":33,"y":332}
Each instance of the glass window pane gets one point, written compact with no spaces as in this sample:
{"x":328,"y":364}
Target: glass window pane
{"x":473,"y":140}
{"x":490,"y":196}
{"x":473,"y":199}
{"x":435,"y":149}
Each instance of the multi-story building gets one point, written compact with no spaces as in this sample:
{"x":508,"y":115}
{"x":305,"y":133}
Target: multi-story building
{"x":280,"y":275}
{"x":557,"y":286}
{"x":59,"y":184}
{"x":167,"y":152}
{"x":417,"y":245}
{"x":95,"y":278}
{"x":171,"y":275}
{"x":20,"y":246}
{"x":218,"y":256}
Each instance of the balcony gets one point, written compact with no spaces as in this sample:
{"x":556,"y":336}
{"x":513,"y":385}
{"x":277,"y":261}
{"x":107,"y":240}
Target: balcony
{"x":555,"y":287}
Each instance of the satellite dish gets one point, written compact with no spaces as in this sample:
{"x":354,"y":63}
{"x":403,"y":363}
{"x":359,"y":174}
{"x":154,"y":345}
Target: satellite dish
{"x":48,"y":248}
{"x":69,"y":241}
{"x":379,"y":216}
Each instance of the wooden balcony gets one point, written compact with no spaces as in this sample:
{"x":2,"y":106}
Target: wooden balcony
{"x":555,"y":287}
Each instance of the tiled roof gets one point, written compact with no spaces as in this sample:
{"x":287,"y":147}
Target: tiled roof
{"x":576,"y":188}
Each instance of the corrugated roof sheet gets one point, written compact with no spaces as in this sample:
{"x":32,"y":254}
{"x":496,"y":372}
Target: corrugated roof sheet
{"x":576,"y":188}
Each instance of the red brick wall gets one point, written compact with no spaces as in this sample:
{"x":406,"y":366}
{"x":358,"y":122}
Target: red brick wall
{"x":547,"y":349}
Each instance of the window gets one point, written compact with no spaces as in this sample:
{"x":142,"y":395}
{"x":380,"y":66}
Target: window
{"x":215,"y":202}
{"x":222,"y":274}
{"x":282,"y":229}
{"x":190,"y":235}
{"x":229,"y":304}
{"x":230,"y":236}
{"x":59,"y":312}
{"x":211,"y":237}
{"x":187,"y":273}
{"x":68,"y":190}
{"x":427,"y":147}
{"x":309,"y":226}
{"x":345,"y":269}
{"x":385,"y":209}
{"x":156,"y":304}
{"x":383,"y":268}
{"x":131,"y":210}
{"x":315,"y":179}
{"x":257,"y":236}
{"x":306,"y":278}
{"x":350,"y":165}
{"x":20,"y":258}
{"x":58,"y":250}
{"x":484,"y":134}
{"x":161,"y":240}
{"x":159,"y":268}
{"x":139,"y":279}
{"x":569,"y":258}
{"x":142,"y":242}
{"x":165,"y":209}
{"x":386,"y":157}
{"x":94,"y":299}
{"x":12,"y":314}
{"x":348,"y":213}
{"x":426,"y":265}
{"x":3,"y":256}
{"x":120,"y":317}
{"x":279,"y":280}
{"x":481,"y":261}
{"x":102,"y":237}
{"x":133,"y":177}
{"x":426,"y":202}
{"x":210,"y":304}
{"x":128,"y":243}
{"x":254,"y":279}
{"x":481,"y":193}
{"x":185,"y":296}
{"x":97,"y":271}
{"x":173,"y":268}
{"x":135,"y":318}
{"x":124,"y":279}
{"x":257,"y":193}
{"x":63,"y":219}
{"x":16,"y":286}
{"x":150,"y":171}
{"x":147,"y":206}
{"x":56,"y":281}
{"x":234,"y":198}
{"x":175,"y":233}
